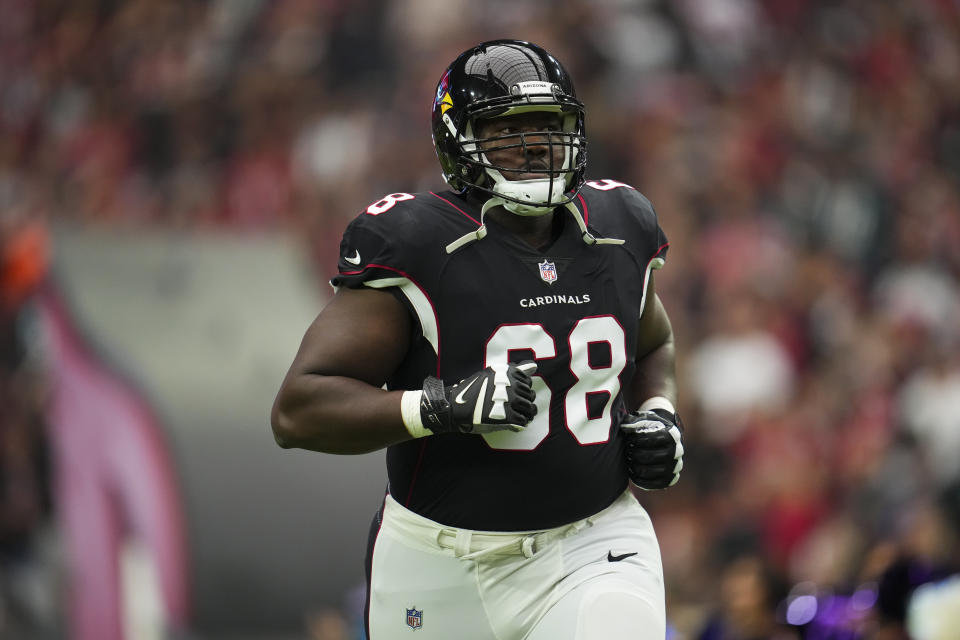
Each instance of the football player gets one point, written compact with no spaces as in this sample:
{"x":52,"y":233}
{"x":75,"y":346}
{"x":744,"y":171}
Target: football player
{"x":504,"y":341}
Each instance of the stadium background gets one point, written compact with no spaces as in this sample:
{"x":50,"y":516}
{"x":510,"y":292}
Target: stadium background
{"x":174,"y":178}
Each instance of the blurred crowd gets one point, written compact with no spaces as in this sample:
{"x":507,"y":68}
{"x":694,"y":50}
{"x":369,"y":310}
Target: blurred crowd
{"x":803,"y":155}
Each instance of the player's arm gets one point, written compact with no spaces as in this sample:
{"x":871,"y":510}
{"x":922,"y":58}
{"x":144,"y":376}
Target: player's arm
{"x":654,"y":447}
{"x":332,"y":399}
{"x":655,"y":356}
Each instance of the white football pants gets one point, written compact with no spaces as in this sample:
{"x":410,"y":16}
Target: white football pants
{"x":596,"y":579}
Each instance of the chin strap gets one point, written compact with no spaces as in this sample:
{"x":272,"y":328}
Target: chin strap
{"x":481,"y":231}
{"x":588,"y":237}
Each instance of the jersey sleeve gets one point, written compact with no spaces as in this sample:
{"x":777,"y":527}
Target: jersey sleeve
{"x":388,"y":251}
{"x":653,"y":239}
{"x":617,"y":210}
{"x":367,"y":254}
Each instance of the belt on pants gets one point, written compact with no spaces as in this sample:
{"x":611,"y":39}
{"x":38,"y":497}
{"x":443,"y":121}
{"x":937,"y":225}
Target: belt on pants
{"x":472,"y":545}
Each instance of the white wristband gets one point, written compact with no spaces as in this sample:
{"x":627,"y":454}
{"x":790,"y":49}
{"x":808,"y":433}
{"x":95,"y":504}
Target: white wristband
{"x":410,"y":413}
{"x":657,"y":402}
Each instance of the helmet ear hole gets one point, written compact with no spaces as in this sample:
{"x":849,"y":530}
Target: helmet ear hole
{"x":469,"y":173}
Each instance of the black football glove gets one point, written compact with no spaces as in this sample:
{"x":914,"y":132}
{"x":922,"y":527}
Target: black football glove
{"x":654,"y":449}
{"x":497,"y":398}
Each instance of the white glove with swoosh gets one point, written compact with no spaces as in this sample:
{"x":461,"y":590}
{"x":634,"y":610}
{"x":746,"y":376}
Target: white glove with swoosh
{"x":497,"y":398}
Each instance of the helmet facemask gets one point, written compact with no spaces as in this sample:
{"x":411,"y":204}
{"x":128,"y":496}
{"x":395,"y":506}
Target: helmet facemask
{"x":560,"y":178}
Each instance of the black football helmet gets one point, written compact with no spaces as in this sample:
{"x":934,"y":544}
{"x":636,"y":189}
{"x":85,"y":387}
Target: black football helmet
{"x":502,"y":78}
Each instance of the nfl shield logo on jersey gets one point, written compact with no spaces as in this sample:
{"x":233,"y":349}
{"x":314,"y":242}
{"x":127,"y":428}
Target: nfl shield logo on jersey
{"x":548,"y":271}
{"x":414,"y":618}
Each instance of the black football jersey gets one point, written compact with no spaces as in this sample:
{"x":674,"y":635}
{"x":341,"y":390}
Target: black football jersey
{"x":574,"y":308}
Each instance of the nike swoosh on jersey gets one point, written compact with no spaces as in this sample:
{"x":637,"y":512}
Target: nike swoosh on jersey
{"x":355,"y":259}
{"x":459,"y":399}
{"x":613,"y":558}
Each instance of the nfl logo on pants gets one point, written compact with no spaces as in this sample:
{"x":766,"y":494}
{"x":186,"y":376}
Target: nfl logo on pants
{"x":414,"y":618}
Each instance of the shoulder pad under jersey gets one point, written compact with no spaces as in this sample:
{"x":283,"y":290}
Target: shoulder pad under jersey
{"x":617,"y":210}
{"x":402,"y":235}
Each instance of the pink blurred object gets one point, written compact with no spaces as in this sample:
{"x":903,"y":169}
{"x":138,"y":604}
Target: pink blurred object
{"x":115,"y":482}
